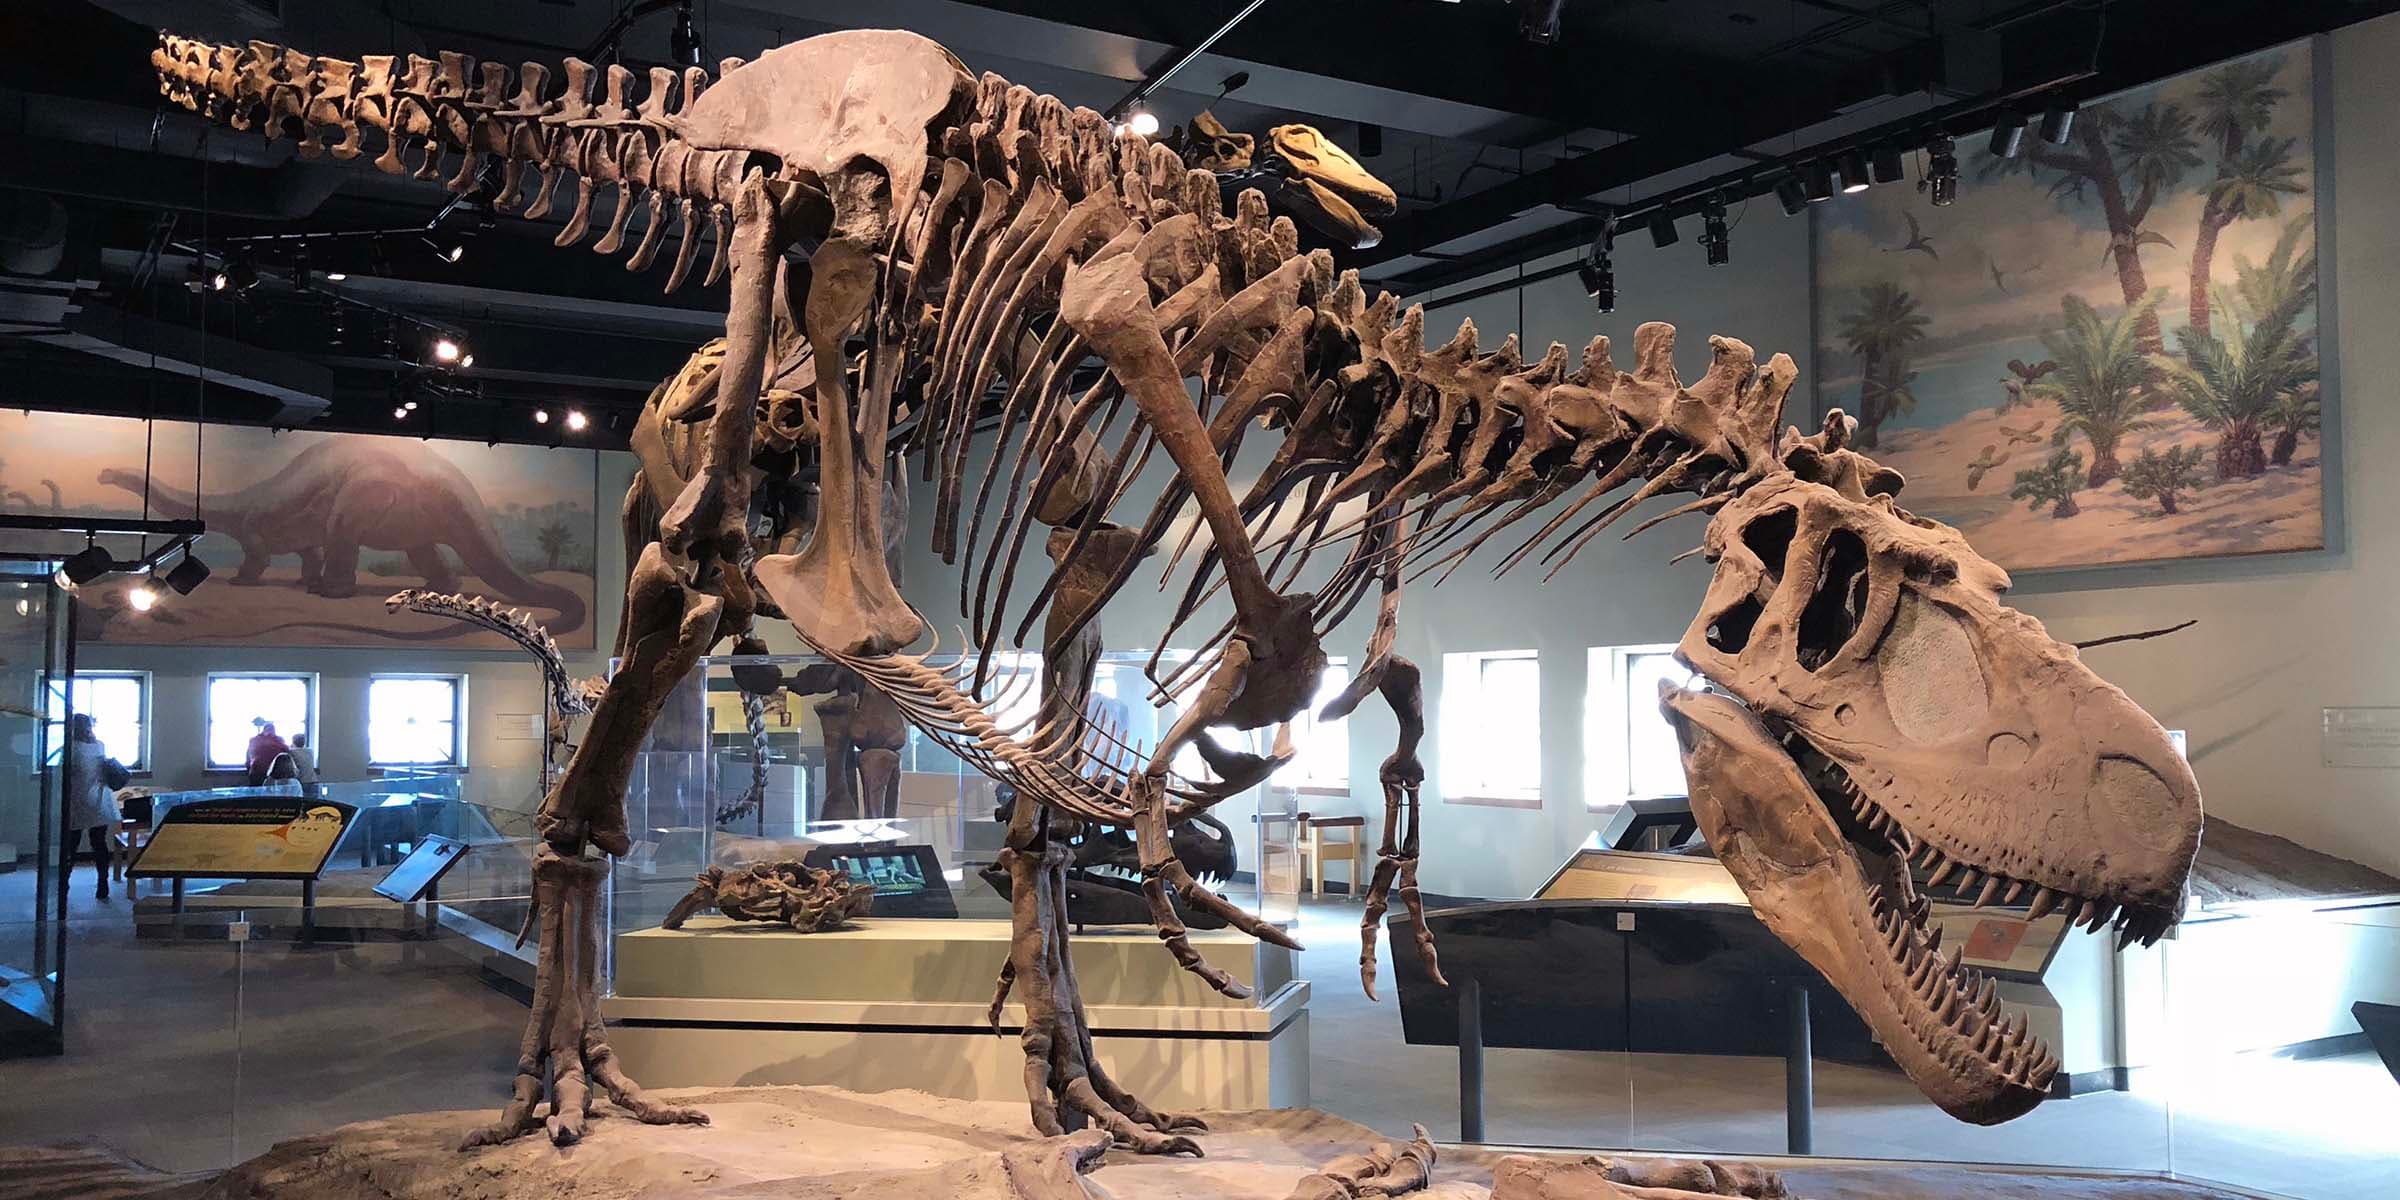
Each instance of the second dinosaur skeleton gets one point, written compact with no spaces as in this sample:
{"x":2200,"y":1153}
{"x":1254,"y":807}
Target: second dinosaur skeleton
{"x":936,"y":270}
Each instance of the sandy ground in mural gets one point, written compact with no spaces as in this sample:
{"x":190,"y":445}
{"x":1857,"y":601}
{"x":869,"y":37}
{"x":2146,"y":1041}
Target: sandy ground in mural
{"x":2282,"y":509}
{"x":279,"y":612}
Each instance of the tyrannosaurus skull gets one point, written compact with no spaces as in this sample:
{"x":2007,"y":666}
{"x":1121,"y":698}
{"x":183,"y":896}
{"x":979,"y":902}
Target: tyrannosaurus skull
{"x":1880,"y":706}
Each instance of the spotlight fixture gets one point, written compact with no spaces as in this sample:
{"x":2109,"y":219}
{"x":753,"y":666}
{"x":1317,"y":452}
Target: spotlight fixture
{"x":141,"y":597}
{"x":446,"y":349}
{"x":1791,"y":194}
{"x":1142,"y":121}
{"x":1820,"y":181}
{"x":400,"y":414}
{"x":410,"y":406}
{"x":576,"y":420}
{"x":1662,"y":230}
{"x":215,"y":280}
{"x":2008,"y":135}
{"x":1941,"y":170}
{"x":186,"y":576}
{"x":1598,"y":271}
{"x":84,"y":566}
{"x":1538,"y":20}
{"x":240,"y":274}
{"x":1715,"y":237}
{"x":449,"y":253}
{"x":466,"y":360}
{"x":336,"y":276}
{"x":684,"y":42}
{"x":541,"y":416}
{"x":1887,"y":164}
{"x":1853,"y":168}
{"x":2058,"y":125}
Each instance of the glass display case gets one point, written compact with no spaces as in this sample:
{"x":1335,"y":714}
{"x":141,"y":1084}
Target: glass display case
{"x":816,"y":771}
{"x":37,"y":659}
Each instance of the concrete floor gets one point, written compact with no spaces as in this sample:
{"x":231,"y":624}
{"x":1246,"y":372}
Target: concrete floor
{"x":189,"y":1054}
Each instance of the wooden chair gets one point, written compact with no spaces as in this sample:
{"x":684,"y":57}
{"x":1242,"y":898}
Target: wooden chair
{"x":1334,"y":837}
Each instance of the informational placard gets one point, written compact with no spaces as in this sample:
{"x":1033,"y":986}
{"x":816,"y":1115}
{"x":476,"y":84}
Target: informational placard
{"x":244,"y":837}
{"x":424,"y":867}
{"x":517,"y":727}
{"x":2362,"y":737}
{"x":1593,"y":874}
{"x":1999,"y":941}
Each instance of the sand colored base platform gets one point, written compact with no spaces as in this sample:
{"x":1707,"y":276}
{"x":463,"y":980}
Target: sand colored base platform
{"x":813,"y":1143}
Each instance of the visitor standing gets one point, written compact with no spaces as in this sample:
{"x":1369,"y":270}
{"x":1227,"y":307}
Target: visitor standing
{"x":91,"y":807}
{"x":264,"y":746}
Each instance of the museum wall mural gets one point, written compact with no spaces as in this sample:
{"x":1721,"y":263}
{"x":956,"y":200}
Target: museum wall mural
{"x":309,"y":532}
{"x":2105,"y":351}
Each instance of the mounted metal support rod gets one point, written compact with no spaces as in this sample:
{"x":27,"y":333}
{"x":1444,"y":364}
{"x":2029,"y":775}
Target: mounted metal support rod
{"x":1159,"y":78}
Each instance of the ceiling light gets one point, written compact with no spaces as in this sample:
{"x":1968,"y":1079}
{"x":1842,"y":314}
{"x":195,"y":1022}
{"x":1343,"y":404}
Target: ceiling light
{"x":1538,"y":20}
{"x":684,"y":42}
{"x":541,"y":416}
{"x":1887,"y":164}
{"x":2008,"y":135}
{"x":2058,"y":125}
{"x":411,"y":406}
{"x":1941,"y":170}
{"x":336,"y":276}
{"x":576,"y":420}
{"x":218,"y":280}
{"x":448,"y":252}
{"x":1820,"y":181}
{"x":187,"y":575}
{"x":1662,"y":230}
{"x":1598,"y":272}
{"x":1853,"y":167}
{"x":466,"y":360}
{"x":84,"y":566}
{"x":446,"y":349}
{"x":1140,"y":121}
{"x":1791,"y":194}
{"x":399,"y":414}
{"x":141,"y":597}
{"x":1715,"y":237}
{"x":243,"y":276}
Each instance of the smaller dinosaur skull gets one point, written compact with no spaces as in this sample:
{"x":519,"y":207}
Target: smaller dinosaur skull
{"x":1881,"y":706}
{"x":1209,"y":146}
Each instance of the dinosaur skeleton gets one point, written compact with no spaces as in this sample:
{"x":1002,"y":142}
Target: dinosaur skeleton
{"x":809,"y":899}
{"x":990,"y":267}
{"x":565,"y":697}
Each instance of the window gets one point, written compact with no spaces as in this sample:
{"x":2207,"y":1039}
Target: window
{"x":1491,"y":727}
{"x":1630,"y":750}
{"x":1323,"y":762}
{"x":413,"y":720}
{"x":118,"y":703}
{"x":239,"y":701}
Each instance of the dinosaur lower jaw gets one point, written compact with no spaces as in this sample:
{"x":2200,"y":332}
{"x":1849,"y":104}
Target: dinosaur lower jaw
{"x":1941,"y":1020}
{"x":1842,"y":898}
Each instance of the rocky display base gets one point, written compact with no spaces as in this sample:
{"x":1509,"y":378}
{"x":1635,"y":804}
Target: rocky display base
{"x":814,"y":1143}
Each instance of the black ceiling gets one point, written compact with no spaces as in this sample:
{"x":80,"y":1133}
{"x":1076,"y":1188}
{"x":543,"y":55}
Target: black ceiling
{"x":1497,"y":145}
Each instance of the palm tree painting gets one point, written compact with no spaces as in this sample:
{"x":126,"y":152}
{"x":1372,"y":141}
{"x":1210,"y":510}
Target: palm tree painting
{"x":2136,"y":302}
{"x":1880,"y":332}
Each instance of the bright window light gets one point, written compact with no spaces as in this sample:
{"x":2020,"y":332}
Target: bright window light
{"x":237,"y":702}
{"x":1324,"y":746}
{"x":1629,"y":749}
{"x":413,"y":720}
{"x":119,"y":705}
{"x":1491,"y":731}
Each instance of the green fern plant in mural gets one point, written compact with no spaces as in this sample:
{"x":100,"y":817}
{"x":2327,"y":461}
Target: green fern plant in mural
{"x":2164,"y":477}
{"x":2054,"y":483}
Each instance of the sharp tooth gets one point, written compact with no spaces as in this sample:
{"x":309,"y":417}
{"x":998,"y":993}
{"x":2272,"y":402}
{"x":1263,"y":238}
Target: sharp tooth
{"x":2084,"y":915}
{"x":1983,"y":1040}
{"x":1966,"y":881}
{"x":2125,"y":937}
{"x":1941,"y":873}
{"x":2102,"y":910}
{"x":1927,"y":855}
{"x":1989,"y":992}
{"x":2016,"y":892}
{"x":1958,"y":953}
{"x":1933,"y":940}
{"x":2043,"y":901}
{"x":1991,"y":890}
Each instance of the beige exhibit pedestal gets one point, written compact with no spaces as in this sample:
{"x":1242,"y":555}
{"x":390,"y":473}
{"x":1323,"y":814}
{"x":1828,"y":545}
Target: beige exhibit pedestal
{"x":901,"y":1004}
